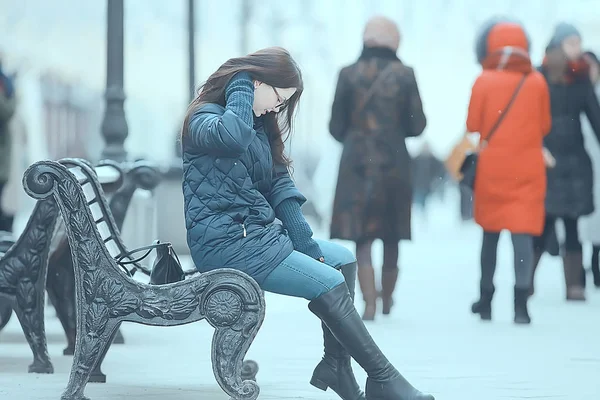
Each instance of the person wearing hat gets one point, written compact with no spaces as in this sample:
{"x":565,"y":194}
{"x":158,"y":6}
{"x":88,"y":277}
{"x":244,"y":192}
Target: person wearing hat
{"x":375,"y":108}
{"x":570,"y":183}
{"x":589,"y":226}
{"x":510,"y":109}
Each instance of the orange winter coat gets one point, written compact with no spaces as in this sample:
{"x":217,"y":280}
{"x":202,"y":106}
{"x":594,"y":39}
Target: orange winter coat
{"x":511,"y":178}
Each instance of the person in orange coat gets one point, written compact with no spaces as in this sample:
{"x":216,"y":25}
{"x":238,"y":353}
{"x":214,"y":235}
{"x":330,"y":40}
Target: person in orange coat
{"x":510,"y":183}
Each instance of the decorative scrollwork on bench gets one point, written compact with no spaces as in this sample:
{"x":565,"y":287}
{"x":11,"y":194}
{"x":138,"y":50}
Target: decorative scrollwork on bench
{"x":231,"y":301}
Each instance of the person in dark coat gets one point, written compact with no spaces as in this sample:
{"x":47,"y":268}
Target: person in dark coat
{"x":589,"y":226}
{"x":235,"y":184}
{"x":570,"y":182}
{"x":373,"y":197}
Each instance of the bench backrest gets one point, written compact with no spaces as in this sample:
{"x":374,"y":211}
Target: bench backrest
{"x":98,"y":204}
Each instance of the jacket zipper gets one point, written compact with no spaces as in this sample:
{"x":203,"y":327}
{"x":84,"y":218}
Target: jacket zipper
{"x":244,"y":229}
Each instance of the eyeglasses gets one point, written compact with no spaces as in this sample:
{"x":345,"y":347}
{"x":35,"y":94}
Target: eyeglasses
{"x":281,"y":102}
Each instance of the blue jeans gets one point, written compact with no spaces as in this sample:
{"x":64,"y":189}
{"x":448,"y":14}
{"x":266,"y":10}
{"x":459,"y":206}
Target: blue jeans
{"x":302,"y":276}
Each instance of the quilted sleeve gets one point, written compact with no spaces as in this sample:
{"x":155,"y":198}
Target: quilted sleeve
{"x":290,"y":214}
{"x":225,"y":135}
{"x":283,"y":188}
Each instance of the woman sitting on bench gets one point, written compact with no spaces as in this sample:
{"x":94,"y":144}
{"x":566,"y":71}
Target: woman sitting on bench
{"x":236,"y":182}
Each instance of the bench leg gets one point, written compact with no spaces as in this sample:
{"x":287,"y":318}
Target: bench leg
{"x":61,"y":290}
{"x":97,"y":375}
{"x":249,"y":370}
{"x":5,"y":312}
{"x":23,"y":269}
{"x":60,"y":285}
{"x":236,"y":323}
{"x":30,"y":311}
{"x":119,"y":338}
{"x":89,"y":352}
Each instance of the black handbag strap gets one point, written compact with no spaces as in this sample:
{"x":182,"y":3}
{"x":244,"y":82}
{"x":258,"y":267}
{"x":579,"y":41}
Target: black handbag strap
{"x":148,"y":250}
{"x":122,"y":263}
{"x":506,"y":109}
{"x":172,"y":251}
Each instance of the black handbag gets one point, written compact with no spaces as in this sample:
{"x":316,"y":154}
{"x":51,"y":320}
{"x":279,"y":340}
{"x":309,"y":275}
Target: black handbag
{"x":166,"y":267}
{"x":468,"y":169}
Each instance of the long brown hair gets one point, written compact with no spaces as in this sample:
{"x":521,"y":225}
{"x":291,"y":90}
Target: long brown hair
{"x":273,"y":66}
{"x":559,"y":69}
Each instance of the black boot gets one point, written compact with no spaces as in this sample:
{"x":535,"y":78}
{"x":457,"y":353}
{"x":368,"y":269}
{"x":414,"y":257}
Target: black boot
{"x":336,"y":309}
{"x":573,"y":266}
{"x":521,"y":313}
{"x":483,"y":306}
{"x":366,"y":280}
{"x":334,"y":371}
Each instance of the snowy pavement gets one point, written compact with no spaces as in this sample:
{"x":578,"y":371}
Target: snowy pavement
{"x":431,"y":337}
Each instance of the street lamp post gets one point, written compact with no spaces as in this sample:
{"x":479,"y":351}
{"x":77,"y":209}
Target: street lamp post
{"x":114,"y":123}
{"x":246,"y":10}
{"x":191,"y":50}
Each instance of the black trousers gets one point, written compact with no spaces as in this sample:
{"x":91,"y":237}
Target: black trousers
{"x":523,"y":259}
{"x":572,"y":242}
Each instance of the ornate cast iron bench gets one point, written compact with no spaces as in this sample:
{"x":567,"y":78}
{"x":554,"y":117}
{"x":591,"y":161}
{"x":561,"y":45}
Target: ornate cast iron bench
{"x":59,"y":282}
{"x":106,"y":296}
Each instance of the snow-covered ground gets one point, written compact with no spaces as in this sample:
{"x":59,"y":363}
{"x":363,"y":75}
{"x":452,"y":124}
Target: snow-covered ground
{"x":431,"y":337}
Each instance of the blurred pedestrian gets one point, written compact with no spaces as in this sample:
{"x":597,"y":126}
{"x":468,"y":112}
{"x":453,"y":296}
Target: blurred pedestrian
{"x":428,"y":175}
{"x":510,"y":108}
{"x":589,"y":225}
{"x":376,"y":107}
{"x":571,"y":182}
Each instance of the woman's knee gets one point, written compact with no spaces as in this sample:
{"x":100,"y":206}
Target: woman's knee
{"x":522,"y":241}
{"x":336,"y":255}
{"x":302,"y":276}
{"x":332,"y":279}
{"x":522,"y":246}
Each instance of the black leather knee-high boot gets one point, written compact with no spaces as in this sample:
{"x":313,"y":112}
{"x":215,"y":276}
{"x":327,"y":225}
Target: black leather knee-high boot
{"x":336,"y":309}
{"x":334,"y":371}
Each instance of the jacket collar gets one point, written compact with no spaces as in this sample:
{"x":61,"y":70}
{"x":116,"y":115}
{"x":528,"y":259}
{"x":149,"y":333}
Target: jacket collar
{"x":378,"y":52}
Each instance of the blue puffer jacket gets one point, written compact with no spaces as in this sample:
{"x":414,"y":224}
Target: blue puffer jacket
{"x":231,"y":190}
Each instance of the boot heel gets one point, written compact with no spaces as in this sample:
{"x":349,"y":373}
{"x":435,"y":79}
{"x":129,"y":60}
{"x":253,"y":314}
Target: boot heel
{"x":483,"y":306}
{"x":485,"y":315}
{"x":319,"y":384}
